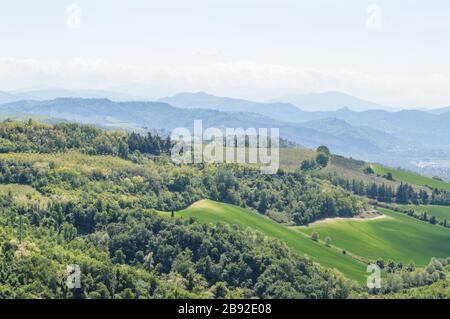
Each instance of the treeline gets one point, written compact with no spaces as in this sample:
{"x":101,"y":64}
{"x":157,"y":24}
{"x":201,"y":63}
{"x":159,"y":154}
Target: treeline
{"x":402,"y":194}
{"x":420,"y":215}
{"x":32,"y":136}
{"x":123,"y":253}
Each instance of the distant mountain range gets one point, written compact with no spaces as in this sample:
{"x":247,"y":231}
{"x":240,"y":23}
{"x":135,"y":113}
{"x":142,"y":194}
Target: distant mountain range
{"x":50,"y":94}
{"x":337,"y":134}
{"x":330,"y":101}
{"x":415,"y":127}
{"x":441,"y":110}
{"x":326,"y":101}
{"x":280,"y":111}
{"x":314,"y":102}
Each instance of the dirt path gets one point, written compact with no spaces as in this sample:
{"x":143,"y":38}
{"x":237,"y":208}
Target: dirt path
{"x":327,"y":220}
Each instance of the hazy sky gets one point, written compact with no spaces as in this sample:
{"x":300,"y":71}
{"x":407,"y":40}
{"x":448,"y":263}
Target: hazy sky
{"x":393,"y":52}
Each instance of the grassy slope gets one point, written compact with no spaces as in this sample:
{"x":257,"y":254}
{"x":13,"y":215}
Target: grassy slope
{"x":410,"y":177}
{"x":213,"y":212}
{"x":440,"y":212}
{"x":291,"y":159}
{"x":396,"y":237}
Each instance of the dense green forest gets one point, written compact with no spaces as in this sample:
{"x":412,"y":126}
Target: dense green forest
{"x":37,"y":137}
{"x":76,"y":194}
{"x":135,"y":254}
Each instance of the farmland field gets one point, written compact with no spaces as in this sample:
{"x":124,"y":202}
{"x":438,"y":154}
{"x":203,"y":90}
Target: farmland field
{"x":440,"y":212}
{"x":213,"y":212}
{"x":291,"y":158}
{"x":397,"y":236}
{"x":411,"y":178}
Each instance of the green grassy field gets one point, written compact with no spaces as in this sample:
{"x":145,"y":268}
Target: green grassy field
{"x":440,"y":212}
{"x":291,"y":159}
{"x":397,"y":236}
{"x":213,"y":212}
{"x":411,"y":178}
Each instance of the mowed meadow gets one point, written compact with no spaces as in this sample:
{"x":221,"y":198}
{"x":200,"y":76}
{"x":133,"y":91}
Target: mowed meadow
{"x":440,"y":212}
{"x":410,"y":177}
{"x":396,"y":236}
{"x":213,"y":212}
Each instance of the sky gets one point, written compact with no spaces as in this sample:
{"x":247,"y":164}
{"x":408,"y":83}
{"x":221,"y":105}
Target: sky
{"x":394,"y":53}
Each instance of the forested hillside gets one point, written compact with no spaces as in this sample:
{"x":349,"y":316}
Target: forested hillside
{"x":76,"y":194}
{"x":155,"y":182}
{"x":136,"y":254}
{"x":62,"y":203}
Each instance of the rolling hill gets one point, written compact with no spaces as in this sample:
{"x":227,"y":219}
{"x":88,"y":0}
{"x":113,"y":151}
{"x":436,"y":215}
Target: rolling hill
{"x":158,"y":115}
{"x":213,"y":212}
{"x":396,"y":236}
{"x":440,"y":212}
{"x":396,"y":138}
{"x":94,"y":188}
{"x":348,"y":168}
{"x":399,"y":139}
{"x":410,"y":177}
